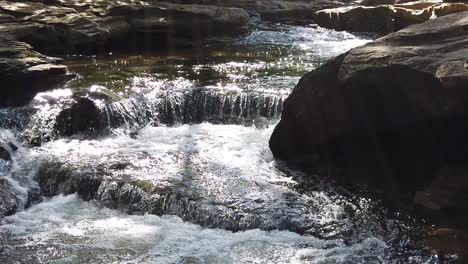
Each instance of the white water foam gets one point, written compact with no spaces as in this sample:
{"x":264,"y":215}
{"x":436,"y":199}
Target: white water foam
{"x":65,"y":223}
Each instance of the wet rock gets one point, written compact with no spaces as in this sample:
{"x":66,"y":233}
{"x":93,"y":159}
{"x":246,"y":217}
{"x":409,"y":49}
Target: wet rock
{"x":8,"y":202}
{"x":383,"y":19}
{"x":5,"y":154}
{"x":68,"y":112}
{"x":24,"y":72}
{"x":197,"y":196}
{"x":73,"y":27}
{"x":377,"y":2}
{"x":294,"y":12}
{"x":194,"y":21}
{"x":5,"y":18}
{"x":296,"y":16}
{"x":381,"y":113}
{"x":446,"y":240}
{"x":447,"y":194}
{"x":83,"y":115}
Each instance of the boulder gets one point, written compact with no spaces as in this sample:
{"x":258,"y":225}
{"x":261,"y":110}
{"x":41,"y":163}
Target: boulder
{"x":24,"y":72}
{"x":383,"y":19}
{"x":8,"y":201}
{"x":357,"y":19}
{"x":389,"y":114}
{"x":68,"y":112}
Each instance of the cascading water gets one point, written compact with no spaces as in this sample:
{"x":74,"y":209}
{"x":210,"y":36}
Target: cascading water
{"x":170,"y":164}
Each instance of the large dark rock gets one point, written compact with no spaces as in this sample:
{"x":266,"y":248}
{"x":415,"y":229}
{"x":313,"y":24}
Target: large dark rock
{"x":390,"y":113}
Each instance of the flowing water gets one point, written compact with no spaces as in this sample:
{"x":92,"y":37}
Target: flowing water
{"x":178,"y":168}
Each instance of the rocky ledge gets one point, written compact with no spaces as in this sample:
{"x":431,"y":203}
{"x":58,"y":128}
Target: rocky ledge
{"x":384,"y":18}
{"x":391,"y":114}
{"x":25,"y":72}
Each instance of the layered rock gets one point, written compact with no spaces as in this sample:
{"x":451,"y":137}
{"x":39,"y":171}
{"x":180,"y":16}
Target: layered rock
{"x":384,"y":19}
{"x":391,"y":113}
{"x":23,"y":72}
{"x":295,"y":12}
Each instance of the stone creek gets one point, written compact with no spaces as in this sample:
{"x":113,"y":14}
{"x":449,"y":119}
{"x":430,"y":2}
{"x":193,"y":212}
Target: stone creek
{"x":178,"y":168}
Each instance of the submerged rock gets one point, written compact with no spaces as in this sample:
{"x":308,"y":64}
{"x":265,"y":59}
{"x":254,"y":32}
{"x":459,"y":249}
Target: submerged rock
{"x":387,"y":113}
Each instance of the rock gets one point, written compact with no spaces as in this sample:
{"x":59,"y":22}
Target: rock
{"x":5,"y":154}
{"x":456,"y":1}
{"x":83,"y":115}
{"x":294,"y":12}
{"x":384,"y":113}
{"x":447,"y":194}
{"x":20,"y":67}
{"x":194,"y":21}
{"x":383,"y":19}
{"x":81,"y":27}
{"x":447,"y":9}
{"x":357,"y":19}
{"x":21,"y":8}
{"x":377,"y":2}
{"x":296,"y":16}
{"x":214,"y":201}
{"x":447,"y":240}
{"x":8,"y":202}
{"x":68,"y":112}
{"x":4,"y":18}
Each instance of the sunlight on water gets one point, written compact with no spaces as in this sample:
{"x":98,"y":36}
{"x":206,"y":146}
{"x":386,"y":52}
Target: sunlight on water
{"x":272,"y":57}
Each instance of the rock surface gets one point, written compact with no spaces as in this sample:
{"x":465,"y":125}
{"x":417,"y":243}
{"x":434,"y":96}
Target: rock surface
{"x":75,"y":27}
{"x":24,"y":72}
{"x":383,"y":19}
{"x":8,"y":202}
{"x":390,"y":113}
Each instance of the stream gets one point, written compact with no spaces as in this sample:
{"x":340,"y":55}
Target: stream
{"x":184,"y":170}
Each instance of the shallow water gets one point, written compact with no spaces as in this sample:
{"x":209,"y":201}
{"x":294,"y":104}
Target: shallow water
{"x":272,"y":58}
{"x":209,"y":150}
{"x":65,"y":229}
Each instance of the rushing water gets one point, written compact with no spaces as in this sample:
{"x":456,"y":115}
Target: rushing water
{"x":187,"y":142}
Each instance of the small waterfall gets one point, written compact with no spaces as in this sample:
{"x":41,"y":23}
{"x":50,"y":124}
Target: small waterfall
{"x":227,"y":108}
{"x":194,"y":106}
{"x":89,"y":114}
